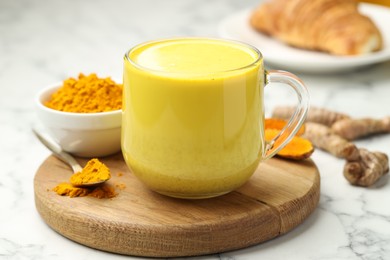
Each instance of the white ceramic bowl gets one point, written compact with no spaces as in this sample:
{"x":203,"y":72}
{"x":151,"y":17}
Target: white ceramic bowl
{"x":81,"y":134}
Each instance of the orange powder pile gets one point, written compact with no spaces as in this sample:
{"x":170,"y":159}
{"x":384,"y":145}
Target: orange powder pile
{"x":104,"y":191}
{"x":87,"y":94}
{"x":93,"y":171}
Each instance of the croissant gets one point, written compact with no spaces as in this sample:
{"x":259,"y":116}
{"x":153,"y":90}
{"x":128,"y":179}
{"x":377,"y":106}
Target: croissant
{"x":333,"y":26}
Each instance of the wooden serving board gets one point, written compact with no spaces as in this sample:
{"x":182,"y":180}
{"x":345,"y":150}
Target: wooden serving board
{"x":278,"y":197}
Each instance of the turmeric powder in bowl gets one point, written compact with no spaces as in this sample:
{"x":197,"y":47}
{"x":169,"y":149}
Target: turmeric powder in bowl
{"x":87,"y":94}
{"x":83,"y":115}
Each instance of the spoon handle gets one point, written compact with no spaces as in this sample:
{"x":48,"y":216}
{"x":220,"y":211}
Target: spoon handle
{"x":57,"y":150}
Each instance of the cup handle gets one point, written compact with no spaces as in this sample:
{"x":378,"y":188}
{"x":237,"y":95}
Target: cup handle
{"x":299,"y":116}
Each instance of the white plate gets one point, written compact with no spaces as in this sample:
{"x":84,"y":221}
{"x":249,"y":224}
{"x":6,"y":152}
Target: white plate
{"x":282,"y":56}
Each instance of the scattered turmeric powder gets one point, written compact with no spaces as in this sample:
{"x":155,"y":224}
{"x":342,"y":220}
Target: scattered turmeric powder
{"x":121,"y":186}
{"x":103,"y":192}
{"x":87,"y":94}
{"x":297,"y":149}
{"x":94,"y":171}
{"x":67,"y":189}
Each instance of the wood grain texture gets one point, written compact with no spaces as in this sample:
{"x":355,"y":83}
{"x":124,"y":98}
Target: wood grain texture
{"x":278,"y":197}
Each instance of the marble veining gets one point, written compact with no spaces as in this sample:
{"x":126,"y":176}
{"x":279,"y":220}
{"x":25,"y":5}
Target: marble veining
{"x":43,"y":42}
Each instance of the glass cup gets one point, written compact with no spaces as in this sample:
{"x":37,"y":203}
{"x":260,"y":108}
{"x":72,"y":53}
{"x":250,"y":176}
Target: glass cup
{"x":193,"y":115}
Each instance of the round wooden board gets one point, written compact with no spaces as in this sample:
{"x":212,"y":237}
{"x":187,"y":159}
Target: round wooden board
{"x":140,"y":222}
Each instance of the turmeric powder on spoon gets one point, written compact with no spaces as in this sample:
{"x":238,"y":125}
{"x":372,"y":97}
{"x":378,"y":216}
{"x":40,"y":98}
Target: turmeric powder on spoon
{"x":94,"y":172}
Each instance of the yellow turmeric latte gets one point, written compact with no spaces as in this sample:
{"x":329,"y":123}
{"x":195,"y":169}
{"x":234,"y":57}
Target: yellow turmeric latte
{"x":192,"y":115}
{"x":87,"y":94}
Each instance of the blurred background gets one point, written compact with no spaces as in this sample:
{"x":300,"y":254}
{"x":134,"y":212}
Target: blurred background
{"x":45,"y":41}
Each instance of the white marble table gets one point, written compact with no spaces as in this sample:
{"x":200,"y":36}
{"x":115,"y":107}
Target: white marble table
{"x":42,"y":42}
